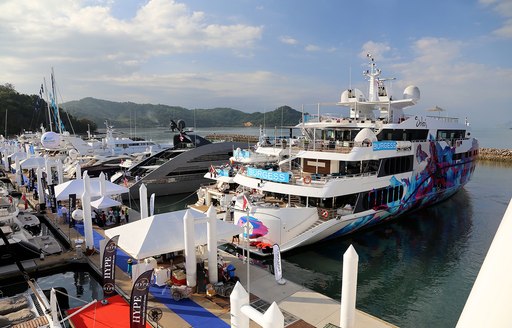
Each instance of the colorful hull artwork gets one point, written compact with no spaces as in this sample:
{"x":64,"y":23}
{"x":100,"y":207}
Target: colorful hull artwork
{"x":440,"y":178}
{"x":435,"y":178}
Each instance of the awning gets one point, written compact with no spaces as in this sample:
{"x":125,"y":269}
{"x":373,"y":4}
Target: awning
{"x":104,"y":202}
{"x":63,"y":190}
{"x":163,"y":233}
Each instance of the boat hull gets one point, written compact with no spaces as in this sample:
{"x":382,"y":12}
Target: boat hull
{"x":435,"y":178}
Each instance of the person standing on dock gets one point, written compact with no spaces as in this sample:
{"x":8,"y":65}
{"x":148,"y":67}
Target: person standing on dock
{"x":129,"y":267}
{"x":64,"y":214}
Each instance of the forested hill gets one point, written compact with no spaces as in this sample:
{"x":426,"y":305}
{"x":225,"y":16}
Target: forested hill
{"x":126,"y":114}
{"x":29,"y":112}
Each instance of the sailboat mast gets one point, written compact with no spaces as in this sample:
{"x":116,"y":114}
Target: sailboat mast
{"x":54,"y":90}
{"x":48,"y":104}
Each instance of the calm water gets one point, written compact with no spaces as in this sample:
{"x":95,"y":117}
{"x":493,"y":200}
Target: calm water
{"x":416,"y":271}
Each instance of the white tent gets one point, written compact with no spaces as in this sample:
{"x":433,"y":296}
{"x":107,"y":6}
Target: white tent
{"x":104,"y":202}
{"x":20,"y":154}
{"x":32,"y":163}
{"x":63,"y":190}
{"x":163,"y":233}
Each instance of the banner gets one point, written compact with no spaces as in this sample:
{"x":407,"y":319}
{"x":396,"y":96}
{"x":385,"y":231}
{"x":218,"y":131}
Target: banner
{"x":53,"y":201}
{"x":72,"y":207}
{"x":139,"y":300}
{"x":152,"y":205}
{"x":278,"y":270}
{"x":109,"y":266}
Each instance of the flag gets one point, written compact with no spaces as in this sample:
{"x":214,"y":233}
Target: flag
{"x":109,"y":266}
{"x":245,"y":203}
{"x":139,"y":300}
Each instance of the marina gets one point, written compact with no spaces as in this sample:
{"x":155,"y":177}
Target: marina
{"x":263,"y":292}
{"x":378,"y":300}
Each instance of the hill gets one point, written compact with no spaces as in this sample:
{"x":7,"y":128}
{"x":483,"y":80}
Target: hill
{"x":29,"y":112}
{"x":126,"y":114}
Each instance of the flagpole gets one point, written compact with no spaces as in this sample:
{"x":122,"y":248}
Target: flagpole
{"x":248,"y":256}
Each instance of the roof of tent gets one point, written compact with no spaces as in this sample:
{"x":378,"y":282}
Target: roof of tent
{"x":163,"y":233}
{"x":104,"y":202}
{"x":63,"y":190}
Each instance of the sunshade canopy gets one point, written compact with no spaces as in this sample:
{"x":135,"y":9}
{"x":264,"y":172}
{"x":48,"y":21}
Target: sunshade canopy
{"x":163,"y":233}
{"x":63,"y":190}
{"x":104,"y":202}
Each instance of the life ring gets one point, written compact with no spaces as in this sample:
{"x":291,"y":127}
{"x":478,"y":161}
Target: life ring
{"x":324,"y":214}
{"x":307,"y":179}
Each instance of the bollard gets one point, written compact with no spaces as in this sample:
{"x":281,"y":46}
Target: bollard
{"x":349,"y":288}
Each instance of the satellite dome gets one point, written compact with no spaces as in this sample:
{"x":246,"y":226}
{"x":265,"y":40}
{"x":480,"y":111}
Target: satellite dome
{"x":365,"y":135}
{"x":351,"y":95}
{"x":50,"y":140}
{"x":412,"y":92}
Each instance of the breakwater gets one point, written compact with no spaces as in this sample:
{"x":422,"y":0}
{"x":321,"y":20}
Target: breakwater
{"x":233,"y":137}
{"x":495,"y":154}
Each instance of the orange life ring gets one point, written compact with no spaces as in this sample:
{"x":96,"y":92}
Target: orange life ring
{"x":325,"y":214}
{"x":307,"y":179}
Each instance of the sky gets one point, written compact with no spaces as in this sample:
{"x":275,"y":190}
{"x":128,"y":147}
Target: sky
{"x":260,"y":55}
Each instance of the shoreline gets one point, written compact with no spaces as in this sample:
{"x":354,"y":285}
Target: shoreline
{"x":495,"y":154}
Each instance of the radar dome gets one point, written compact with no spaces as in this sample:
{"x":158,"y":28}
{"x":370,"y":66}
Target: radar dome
{"x":50,"y":140}
{"x":351,"y":95}
{"x":365,"y":135}
{"x":412,"y":92}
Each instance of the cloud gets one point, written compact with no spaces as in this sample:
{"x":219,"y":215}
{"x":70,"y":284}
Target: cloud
{"x":504,"y":9}
{"x":89,"y":40}
{"x":447,"y":79}
{"x":312,"y":47}
{"x":376,"y":49}
{"x":288,"y":40}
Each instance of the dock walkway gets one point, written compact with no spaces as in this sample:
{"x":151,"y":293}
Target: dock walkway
{"x":301,"y":306}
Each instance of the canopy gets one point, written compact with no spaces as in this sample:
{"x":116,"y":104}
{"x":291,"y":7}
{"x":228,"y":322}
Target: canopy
{"x":63,"y":190}
{"x":163,"y":233}
{"x":104,"y":202}
{"x":32,"y":163}
{"x":20,"y":154}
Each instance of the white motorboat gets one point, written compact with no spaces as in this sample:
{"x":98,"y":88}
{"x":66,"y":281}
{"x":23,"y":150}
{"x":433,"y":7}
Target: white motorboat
{"x":354,"y":171}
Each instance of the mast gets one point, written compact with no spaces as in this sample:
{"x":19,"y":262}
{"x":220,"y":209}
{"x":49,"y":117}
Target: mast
{"x":48,"y":105}
{"x":54,"y":91}
{"x":373,"y":75}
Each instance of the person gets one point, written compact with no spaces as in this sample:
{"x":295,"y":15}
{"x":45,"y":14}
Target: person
{"x":117,"y":216}
{"x":103,"y":219}
{"x":25,"y":201}
{"x":123,"y":217}
{"x":129,"y":267}
{"x":94,"y":217}
{"x":64,"y":214}
{"x":126,"y":214}
{"x":235,"y":238}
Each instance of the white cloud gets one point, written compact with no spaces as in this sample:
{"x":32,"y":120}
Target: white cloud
{"x":376,"y":49}
{"x":447,"y":79}
{"x":288,"y":40}
{"x":312,"y":47}
{"x":504,"y":9}
{"x":87,"y":40}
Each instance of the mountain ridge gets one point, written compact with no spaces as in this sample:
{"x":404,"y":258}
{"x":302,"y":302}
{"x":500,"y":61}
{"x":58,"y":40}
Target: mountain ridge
{"x":125,"y":114}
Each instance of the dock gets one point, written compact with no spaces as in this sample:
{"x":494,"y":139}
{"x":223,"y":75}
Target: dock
{"x":300,"y":306}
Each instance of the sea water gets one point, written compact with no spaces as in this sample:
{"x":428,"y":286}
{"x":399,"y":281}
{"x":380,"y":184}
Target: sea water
{"x":416,"y":271}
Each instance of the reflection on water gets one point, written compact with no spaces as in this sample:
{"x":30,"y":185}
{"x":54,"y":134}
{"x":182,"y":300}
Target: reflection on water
{"x":399,"y":262}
